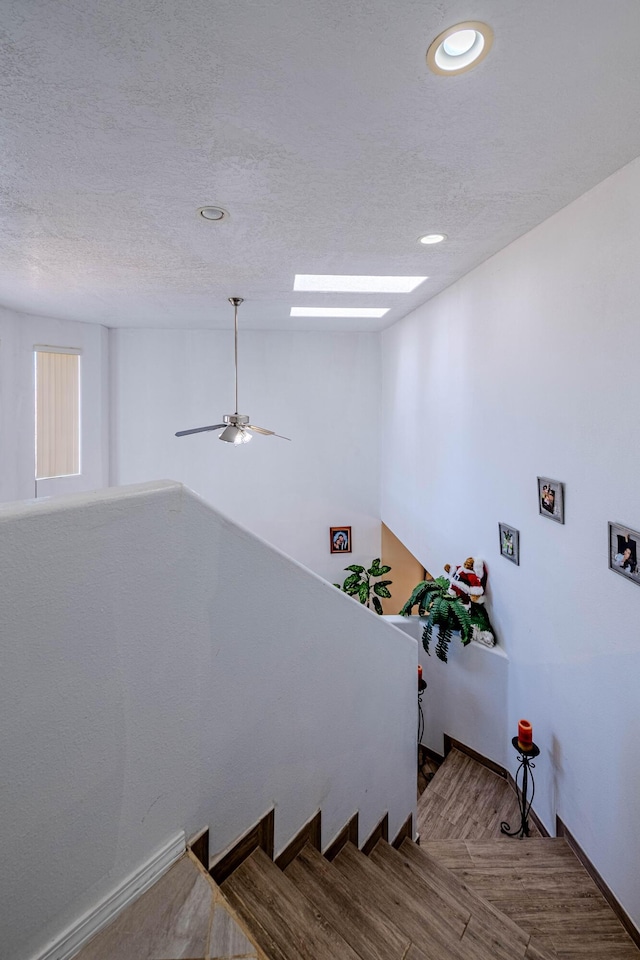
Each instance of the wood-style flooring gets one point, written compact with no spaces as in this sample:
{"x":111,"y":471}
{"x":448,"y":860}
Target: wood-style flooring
{"x":537,"y":882}
{"x":467,"y":893}
{"x":464,"y":800}
{"x":182,"y":917}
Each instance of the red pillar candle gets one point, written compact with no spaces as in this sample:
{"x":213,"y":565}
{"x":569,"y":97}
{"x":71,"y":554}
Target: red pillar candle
{"x":419,"y":672}
{"x":525,"y":732}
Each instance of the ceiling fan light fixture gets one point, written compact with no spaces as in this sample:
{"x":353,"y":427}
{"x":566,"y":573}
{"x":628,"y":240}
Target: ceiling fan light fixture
{"x":235,"y":427}
{"x":233,"y":434}
{"x":460,"y":47}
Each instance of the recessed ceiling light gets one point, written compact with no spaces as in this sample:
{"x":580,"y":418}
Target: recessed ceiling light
{"x":433,"y":238}
{"x":213,"y":213}
{"x":338,"y":311}
{"x":341,"y":284}
{"x":459,"y":48}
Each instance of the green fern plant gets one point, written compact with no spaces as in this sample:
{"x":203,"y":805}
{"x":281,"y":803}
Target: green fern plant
{"x":444,"y":611}
{"x":364,"y":585}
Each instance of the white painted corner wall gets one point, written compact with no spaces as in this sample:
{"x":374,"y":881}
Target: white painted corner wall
{"x":466,"y":697}
{"x":165,"y":669}
{"x":19,"y":334}
{"x":526,"y":367}
{"x":320,"y":389}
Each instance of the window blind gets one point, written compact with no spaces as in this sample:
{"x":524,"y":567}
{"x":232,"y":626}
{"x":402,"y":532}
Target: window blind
{"x":57,"y":412}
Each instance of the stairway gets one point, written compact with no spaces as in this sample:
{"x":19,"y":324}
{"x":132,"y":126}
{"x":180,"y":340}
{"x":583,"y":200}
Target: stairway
{"x":391,"y":905}
{"x":467,"y":893}
{"x":476,"y":895}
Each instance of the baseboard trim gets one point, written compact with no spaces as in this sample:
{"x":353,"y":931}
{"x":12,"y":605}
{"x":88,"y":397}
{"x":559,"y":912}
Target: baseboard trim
{"x":607,"y":893}
{"x":451,"y":744}
{"x":260,"y":835}
{"x":310,"y":833}
{"x":199,"y":846}
{"x":348,"y":834}
{"x":405,"y":831}
{"x":380,"y":832}
{"x":431,"y":754}
{"x":68,"y":943}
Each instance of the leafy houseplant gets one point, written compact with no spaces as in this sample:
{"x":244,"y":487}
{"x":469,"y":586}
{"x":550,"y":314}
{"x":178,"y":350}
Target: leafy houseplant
{"x":446,"y":611}
{"x":364,"y":584}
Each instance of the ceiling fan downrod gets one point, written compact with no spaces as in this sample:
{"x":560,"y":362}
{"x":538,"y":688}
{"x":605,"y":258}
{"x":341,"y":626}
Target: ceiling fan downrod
{"x":235,"y":426}
{"x":236,"y":301}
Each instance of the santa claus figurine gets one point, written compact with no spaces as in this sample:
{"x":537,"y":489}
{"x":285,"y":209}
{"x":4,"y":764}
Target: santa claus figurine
{"x":468,"y":581}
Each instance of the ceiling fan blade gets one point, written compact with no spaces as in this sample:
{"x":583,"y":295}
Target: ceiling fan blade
{"x":215,"y":426}
{"x":268,"y":433}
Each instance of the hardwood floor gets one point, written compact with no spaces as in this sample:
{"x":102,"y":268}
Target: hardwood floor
{"x":466,"y":893}
{"x":537,"y":882}
{"x":465,"y":800}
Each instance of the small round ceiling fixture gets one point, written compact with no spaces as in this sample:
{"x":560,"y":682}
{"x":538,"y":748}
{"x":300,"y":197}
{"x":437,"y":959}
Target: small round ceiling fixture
{"x":215,"y":214}
{"x":459,"y":48}
{"x":430,"y":238}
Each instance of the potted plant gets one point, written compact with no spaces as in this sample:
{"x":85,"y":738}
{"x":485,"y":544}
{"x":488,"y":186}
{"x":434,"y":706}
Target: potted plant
{"x":453,"y":604}
{"x":364,"y":584}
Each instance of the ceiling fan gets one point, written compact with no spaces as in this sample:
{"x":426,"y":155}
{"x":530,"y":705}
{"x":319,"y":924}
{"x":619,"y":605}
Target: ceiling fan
{"x":236,"y":425}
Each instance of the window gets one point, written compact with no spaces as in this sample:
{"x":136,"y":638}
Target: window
{"x":57,"y":379}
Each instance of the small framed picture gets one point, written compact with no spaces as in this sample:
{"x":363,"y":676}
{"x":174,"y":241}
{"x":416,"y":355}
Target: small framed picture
{"x":623,"y":551}
{"x":340,"y":539}
{"x":509,"y":543}
{"x":551,"y":499}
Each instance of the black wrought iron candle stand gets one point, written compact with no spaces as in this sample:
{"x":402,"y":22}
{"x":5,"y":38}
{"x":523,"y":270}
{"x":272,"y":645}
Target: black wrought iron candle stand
{"x":422,"y":686}
{"x":524,"y":773}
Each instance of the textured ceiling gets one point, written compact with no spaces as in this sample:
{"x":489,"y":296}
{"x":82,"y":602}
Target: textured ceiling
{"x":315,"y":123}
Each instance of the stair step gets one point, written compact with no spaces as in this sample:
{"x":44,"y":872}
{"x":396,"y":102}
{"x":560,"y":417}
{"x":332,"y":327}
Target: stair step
{"x":371,"y":934}
{"x":541,"y":885}
{"x":431,"y":934}
{"x":432,"y":872}
{"x":487,"y":930}
{"x":435,"y":896}
{"x":277,"y":917}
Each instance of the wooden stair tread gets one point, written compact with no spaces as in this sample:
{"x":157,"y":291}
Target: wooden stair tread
{"x":487,"y":929}
{"x":369,"y":882}
{"x":277,"y":917}
{"x":371,"y":934}
{"x":410,"y":905}
{"x":541,"y":885}
{"x":434,"y":897}
{"x":433,"y":872}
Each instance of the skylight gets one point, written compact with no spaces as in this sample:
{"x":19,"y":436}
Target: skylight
{"x":338,"y":311}
{"x":330,"y":283}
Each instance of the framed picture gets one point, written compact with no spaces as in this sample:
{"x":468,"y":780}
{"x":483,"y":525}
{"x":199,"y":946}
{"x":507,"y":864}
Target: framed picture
{"x":551,"y":499}
{"x":340,"y":539}
{"x":624,"y":547}
{"x":509,"y":543}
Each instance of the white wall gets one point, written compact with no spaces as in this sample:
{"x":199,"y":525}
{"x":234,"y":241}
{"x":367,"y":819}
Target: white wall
{"x":466,"y":697}
{"x":19,"y":334}
{"x":162,"y":668}
{"x":322,"y":390}
{"x":527,"y":367}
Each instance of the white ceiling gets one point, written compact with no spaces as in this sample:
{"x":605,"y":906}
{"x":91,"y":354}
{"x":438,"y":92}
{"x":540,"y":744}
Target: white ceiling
{"x":315,"y":123}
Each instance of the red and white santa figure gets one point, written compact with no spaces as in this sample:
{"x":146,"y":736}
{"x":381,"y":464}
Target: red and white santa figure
{"x":468,"y":580}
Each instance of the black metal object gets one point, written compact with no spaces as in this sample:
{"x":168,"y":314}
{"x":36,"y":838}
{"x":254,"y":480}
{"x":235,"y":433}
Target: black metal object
{"x":422,"y":686}
{"x":524,"y":772}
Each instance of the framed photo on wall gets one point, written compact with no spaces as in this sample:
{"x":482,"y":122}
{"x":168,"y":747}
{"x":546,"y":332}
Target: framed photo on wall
{"x":340,"y":539}
{"x":509,"y":543}
{"x":624,"y":550}
{"x":551,"y":499}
